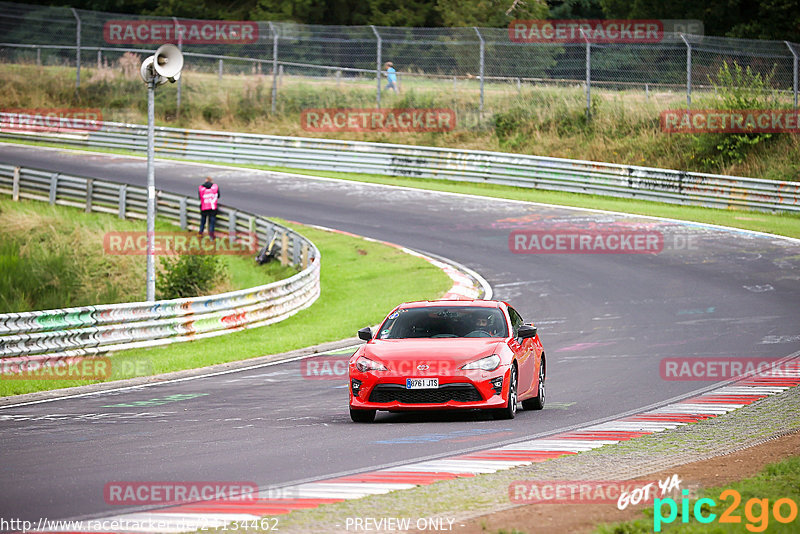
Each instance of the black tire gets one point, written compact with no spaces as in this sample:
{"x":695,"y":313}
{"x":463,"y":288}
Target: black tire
{"x":537,"y":403}
{"x":511,"y":406}
{"x":362,"y":416}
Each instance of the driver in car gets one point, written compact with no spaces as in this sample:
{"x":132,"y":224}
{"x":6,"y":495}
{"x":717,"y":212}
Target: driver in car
{"x":484,"y":324}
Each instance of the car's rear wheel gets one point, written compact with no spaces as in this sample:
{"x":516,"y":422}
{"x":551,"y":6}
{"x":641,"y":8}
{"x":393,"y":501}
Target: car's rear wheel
{"x":362,"y":416}
{"x":537,"y":403}
{"x":511,"y":406}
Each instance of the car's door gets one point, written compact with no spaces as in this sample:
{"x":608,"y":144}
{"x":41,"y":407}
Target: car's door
{"x":523,"y":349}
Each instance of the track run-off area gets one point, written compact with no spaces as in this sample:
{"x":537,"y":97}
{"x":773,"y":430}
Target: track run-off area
{"x":608,"y":322}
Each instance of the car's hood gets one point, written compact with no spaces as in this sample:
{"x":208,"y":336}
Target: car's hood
{"x":454,"y":350}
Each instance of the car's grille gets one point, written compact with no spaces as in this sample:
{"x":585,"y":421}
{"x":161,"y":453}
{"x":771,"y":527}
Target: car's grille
{"x":446,"y":392}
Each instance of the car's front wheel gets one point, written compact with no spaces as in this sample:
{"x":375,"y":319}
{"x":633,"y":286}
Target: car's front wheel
{"x":362,"y":416}
{"x":510,"y":409}
{"x":537,"y":403}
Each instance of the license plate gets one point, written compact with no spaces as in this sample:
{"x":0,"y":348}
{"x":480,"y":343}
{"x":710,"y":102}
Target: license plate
{"x":422,"y":383}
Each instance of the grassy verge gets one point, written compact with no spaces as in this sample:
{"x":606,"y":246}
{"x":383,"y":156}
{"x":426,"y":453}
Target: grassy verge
{"x":53,"y":257}
{"x":754,"y":513}
{"x":360,"y":280}
{"x":538,"y":119}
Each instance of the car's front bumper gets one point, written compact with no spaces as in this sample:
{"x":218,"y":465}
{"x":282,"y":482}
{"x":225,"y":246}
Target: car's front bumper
{"x":464,"y":390}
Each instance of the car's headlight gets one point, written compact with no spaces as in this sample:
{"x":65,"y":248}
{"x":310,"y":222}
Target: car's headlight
{"x":489,"y":363}
{"x":365,"y":364}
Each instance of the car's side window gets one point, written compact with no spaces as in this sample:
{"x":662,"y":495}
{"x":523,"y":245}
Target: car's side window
{"x":516,"y":321}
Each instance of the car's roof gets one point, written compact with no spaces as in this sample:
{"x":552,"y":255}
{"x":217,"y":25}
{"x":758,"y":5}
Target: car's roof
{"x":453,"y":303}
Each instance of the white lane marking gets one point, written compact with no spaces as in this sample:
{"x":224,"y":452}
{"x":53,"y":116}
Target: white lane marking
{"x":176,"y":380}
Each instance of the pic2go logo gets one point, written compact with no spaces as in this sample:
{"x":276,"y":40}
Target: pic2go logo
{"x":756,"y":511}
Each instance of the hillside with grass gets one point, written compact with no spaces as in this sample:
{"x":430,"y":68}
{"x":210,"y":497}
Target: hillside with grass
{"x":521,"y":118}
{"x":54,"y":257}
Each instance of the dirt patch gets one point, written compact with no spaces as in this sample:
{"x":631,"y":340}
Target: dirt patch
{"x":582,"y":518}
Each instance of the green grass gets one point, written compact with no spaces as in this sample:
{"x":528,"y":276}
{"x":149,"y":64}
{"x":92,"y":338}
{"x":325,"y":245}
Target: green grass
{"x":361,"y":281}
{"x":780,"y":480}
{"x":53,"y":257}
{"x":537,"y":119}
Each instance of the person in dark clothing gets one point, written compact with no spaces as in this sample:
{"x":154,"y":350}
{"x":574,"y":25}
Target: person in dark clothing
{"x":209,"y":199}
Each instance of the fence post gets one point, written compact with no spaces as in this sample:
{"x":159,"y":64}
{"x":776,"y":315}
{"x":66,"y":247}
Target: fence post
{"x":180,"y":47}
{"x":232,"y":224}
{"x":588,"y":76}
{"x":794,"y":71}
{"x":219,"y":71}
{"x":274,"y":65}
{"x":183,"y":221}
{"x":77,"y":50}
{"x":688,"y":73}
{"x":38,"y":56}
{"x":285,"y":249}
{"x":483,"y":51}
{"x":99,"y":59}
{"x":53,"y":187}
{"x":123,"y":201}
{"x":89,"y":194}
{"x":15,"y":185}
{"x":379,"y":47}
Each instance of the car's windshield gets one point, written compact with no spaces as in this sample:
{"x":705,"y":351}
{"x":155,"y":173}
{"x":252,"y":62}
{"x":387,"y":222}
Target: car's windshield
{"x":442,"y":321}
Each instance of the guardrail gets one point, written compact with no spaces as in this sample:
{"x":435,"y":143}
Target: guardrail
{"x":608,"y":179}
{"x":89,"y":330}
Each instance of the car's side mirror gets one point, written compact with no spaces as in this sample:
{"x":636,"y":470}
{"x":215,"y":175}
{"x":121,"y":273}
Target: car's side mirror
{"x":525,"y":331}
{"x":365,"y":333}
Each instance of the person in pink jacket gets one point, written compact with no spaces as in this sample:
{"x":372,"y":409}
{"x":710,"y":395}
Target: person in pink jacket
{"x":209,"y":198}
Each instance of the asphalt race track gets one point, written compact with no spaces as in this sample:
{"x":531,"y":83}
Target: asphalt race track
{"x":606,"y":321}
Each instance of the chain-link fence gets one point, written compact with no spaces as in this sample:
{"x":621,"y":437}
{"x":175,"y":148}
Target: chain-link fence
{"x":450,"y":59}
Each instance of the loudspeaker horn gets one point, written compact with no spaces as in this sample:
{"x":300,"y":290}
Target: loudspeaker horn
{"x":168,"y":62}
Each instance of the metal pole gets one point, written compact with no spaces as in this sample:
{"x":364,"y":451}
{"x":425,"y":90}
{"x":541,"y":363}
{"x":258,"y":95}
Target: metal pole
{"x":180,"y":80}
{"x":483,"y":50}
{"x":378,"y":65}
{"x":99,"y":59}
{"x":588,"y":77}
{"x":688,"y":73}
{"x":77,"y":50}
{"x":38,"y":56}
{"x":274,"y":66}
{"x":794,"y":80}
{"x":219,"y":70}
{"x":151,"y":192}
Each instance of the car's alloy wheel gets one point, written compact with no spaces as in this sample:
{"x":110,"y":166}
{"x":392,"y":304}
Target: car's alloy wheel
{"x":362,"y":416}
{"x":511,"y":407}
{"x":537,"y":403}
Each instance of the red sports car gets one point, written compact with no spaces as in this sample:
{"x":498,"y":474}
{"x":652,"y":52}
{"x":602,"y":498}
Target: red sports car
{"x":473,"y":354}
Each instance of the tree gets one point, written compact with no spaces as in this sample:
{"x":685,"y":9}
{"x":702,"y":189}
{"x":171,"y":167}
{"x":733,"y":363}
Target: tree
{"x":491,"y":13}
{"x":575,"y":9}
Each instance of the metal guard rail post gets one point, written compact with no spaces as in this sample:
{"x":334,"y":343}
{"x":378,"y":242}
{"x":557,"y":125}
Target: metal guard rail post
{"x":90,"y":330}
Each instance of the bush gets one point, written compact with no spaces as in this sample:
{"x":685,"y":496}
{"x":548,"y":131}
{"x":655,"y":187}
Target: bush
{"x":737,"y":89}
{"x":189,"y":276}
